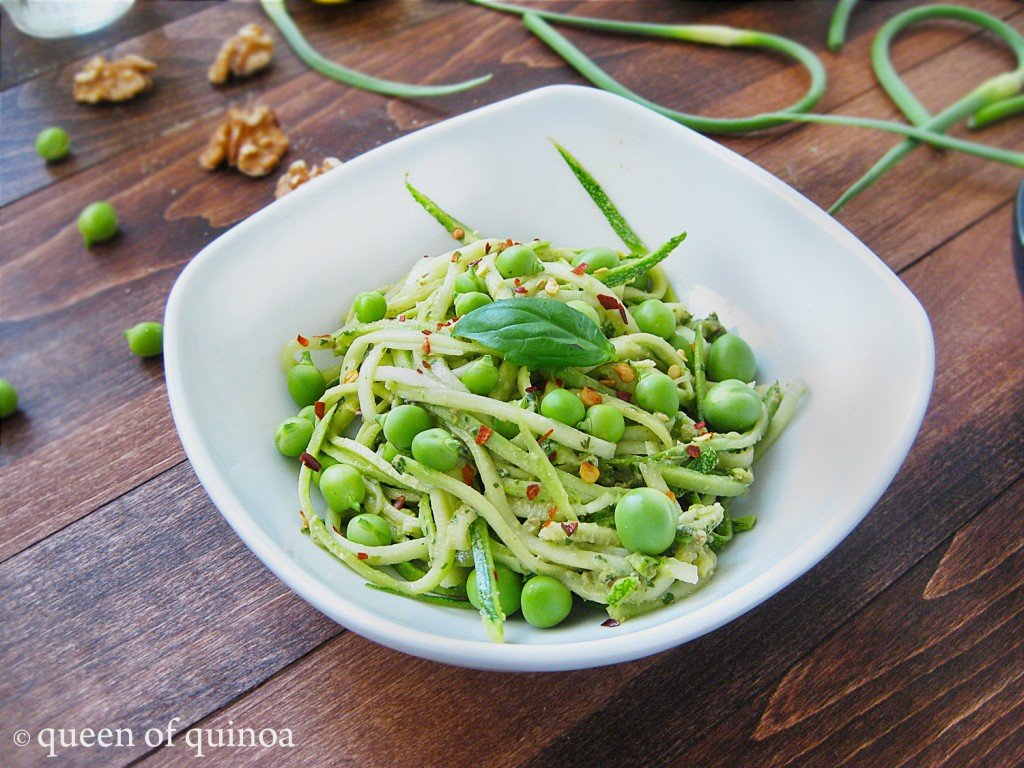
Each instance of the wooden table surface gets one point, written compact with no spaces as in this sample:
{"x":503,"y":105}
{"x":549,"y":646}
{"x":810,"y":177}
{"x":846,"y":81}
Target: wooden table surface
{"x":127,"y":602}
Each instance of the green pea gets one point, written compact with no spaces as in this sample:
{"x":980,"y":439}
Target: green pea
{"x":731,"y":406}
{"x":510,"y":589}
{"x":370,"y":307}
{"x":545,"y":602}
{"x":470,"y":282}
{"x":604,"y":422}
{"x":437,"y":449}
{"x":403,"y":423}
{"x":292,"y":436}
{"x":309,"y":413}
{"x":145,"y":339}
{"x":656,"y":392}
{"x":585,"y":309}
{"x":507,"y":429}
{"x":480,"y":376}
{"x":730,"y":357}
{"x":305,"y":382}
{"x":655,"y":317}
{"x":390,"y":452}
{"x":8,"y":398}
{"x":597,"y":258}
{"x":517,"y":261}
{"x":562,"y":405}
{"x":467,"y":302}
{"x":369,"y":529}
{"x":326,"y":460}
{"x":342,"y":487}
{"x":96,"y":222}
{"x":646,"y":520}
{"x":643,"y":282}
{"x":53,"y":143}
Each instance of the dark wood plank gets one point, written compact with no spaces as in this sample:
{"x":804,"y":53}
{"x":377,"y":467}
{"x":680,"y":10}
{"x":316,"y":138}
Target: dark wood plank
{"x":690,"y":688}
{"x":149,"y":609}
{"x":25,"y":57}
{"x":923,"y":676}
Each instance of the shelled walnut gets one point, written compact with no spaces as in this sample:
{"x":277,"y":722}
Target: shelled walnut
{"x":119,"y":80}
{"x":248,"y":139}
{"x":299,"y":173}
{"x":249,"y":51}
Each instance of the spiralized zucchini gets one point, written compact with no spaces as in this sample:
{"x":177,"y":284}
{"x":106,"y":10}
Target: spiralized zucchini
{"x":540,"y":502}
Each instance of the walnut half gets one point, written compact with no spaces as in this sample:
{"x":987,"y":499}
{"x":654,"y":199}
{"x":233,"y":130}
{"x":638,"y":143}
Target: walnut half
{"x":119,"y":80}
{"x":299,"y":173}
{"x":249,"y":139}
{"x":244,"y":54}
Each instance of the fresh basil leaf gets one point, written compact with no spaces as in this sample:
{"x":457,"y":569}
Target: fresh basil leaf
{"x":539,"y":333}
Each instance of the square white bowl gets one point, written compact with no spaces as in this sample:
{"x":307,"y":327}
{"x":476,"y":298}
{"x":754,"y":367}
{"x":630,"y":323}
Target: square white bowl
{"x":813,"y":301}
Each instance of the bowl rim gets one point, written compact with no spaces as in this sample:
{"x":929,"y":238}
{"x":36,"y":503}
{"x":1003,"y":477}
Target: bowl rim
{"x":545,"y":656}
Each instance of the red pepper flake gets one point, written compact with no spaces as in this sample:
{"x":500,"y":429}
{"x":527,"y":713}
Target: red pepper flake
{"x":425,"y":331}
{"x":426,"y":346}
{"x":521,"y":289}
{"x":426,"y":364}
{"x":318,"y":408}
{"x":551,"y":517}
{"x":609,"y":623}
{"x":693,"y":451}
{"x":508,"y":242}
{"x":532,"y":490}
{"x":401,"y":318}
{"x":569,"y":528}
{"x":419,"y":371}
{"x":468,"y":473}
{"x":532,"y":388}
{"x":517,"y":281}
{"x":439,"y":326}
{"x":624,"y":396}
{"x":580,"y":269}
{"x":700,"y":425}
{"x":553,"y":456}
{"x":559,"y":383}
{"x":303,"y":341}
{"x":483,"y":434}
{"x":362,"y":556}
{"x":610,"y":302}
{"x":487,"y":247}
{"x":310,"y":461}
{"x":399,"y":502}
{"x":547,"y":434}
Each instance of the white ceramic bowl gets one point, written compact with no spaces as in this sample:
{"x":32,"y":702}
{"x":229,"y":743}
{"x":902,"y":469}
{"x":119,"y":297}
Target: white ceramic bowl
{"x":812,"y":300}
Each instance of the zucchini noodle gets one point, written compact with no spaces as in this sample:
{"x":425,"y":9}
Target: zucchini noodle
{"x":526,"y":494}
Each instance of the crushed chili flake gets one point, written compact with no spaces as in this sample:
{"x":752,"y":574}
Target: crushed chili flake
{"x":401,"y":318}
{"x":508,"y":242}
{"x":559,"y":383}
{"x":580,"y":269}
{"x":547,"y":434}
{"x":590,"y":396}
{"x":608,"y":302}
{"x":569,"y":528}
{"x":310,"y":461}
{"x":439,"y":326}
{"x":521,"y":289}
{"x":693,"y":451}
{"x":624,"y":396}
{"x":425,"y":331}
{"x":318,"y":408}
{"x":487,"y":247}
{"x":426,"y":364}
{"x":553,"y":457}
{"x":303,"y":341}
{"x":399,"y":502}
{"x":419,"y":371}
{"x":362,"y":556}
{"x":700,"y":425}
{"x":609,"y":623}
{"x":517,"y":281}
{"x":532,"y":490}
{"x":426,"y":346}
{"x":483,"y":434}
{"x":468,"y":473}
{"x":532,"y":388}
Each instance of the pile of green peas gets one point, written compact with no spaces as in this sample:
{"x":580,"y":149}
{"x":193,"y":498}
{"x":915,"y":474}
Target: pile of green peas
{"x":730,"y":405}
{"x":544,"y":601}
